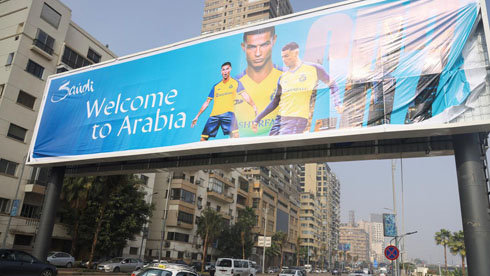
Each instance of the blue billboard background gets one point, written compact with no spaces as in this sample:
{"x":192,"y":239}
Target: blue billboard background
{"x":149,"y":102}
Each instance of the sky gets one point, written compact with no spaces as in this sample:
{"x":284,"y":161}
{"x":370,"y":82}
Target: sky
{"x":430,"y":189}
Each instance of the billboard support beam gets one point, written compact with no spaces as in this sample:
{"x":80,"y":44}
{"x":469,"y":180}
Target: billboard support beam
{"x":48,"y":215}
{"x":474,"y":202}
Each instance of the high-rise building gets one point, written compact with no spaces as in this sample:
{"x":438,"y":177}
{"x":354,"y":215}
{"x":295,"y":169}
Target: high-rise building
{"x":376,"y":239}
{"x":221,"y":15}
{"x":359,"y":243}
{"x":37,"y":39}
{"x":319,"y":180}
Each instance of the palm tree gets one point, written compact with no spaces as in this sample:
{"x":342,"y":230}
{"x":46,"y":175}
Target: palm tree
{"x":208,"y":228}
{"x":456,"y":246}
{"x":280,"y":239}
{"x":298,"y":250}
{"x":75,"y":193}
{"x":442,"y":238}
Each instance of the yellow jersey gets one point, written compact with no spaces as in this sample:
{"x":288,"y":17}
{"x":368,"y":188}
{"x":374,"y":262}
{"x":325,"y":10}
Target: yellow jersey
{"x":297,"y":87}
{"x":261,"y":93}
{"x":224,"y":94}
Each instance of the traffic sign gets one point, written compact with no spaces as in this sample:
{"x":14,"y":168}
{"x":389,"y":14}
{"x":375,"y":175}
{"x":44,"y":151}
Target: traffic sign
{"x":392,"y":252}
{"x":268,"y":241}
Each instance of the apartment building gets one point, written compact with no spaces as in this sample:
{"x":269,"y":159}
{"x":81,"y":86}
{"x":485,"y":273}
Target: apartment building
{"x":376,"y":239}
{"x":319,"y":180}
{"x":359,"y":243}
{"x":37,"y":39}
{"x":221,"y":15}
{"x":311,"y":230}
{"x":275,"y":198}
{"x":183,"y":196}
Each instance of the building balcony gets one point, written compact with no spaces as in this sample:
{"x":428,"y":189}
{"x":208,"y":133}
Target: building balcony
{"x":180,"y":224}
{"x":35,"y":189}
{"x":220,"y":197}
{"x":223,"y":179}
{"x":42,"y":49}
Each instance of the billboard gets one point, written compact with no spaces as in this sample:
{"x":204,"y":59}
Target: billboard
{"x":389,"y":225}
{"x":370,"y":67}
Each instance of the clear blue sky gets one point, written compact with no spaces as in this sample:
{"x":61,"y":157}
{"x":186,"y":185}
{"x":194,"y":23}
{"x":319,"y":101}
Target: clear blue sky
{"x":430,"y":185}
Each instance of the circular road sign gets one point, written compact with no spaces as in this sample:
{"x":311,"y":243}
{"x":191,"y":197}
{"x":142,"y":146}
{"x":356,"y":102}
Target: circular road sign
{"x":392,"y":252}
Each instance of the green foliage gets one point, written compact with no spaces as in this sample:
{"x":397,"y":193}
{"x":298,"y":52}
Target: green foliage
{"x":237,"y":240}
{"x":125,"y":211}
{"x":456,"y":244}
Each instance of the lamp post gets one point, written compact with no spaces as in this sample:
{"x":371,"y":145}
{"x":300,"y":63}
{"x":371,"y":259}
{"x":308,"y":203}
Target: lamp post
{"x":397,"y":239}
{"x":145,"y":227}
{"x":265,"y":233}
{"x":164,"y":216}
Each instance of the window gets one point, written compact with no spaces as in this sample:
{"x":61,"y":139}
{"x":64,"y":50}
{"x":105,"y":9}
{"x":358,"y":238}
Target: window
{"x":39,"y":176}
{"x":175,"y":236}
{"x":44,"y":42}
{"x":22,"y":240}
{"x":145,"y":179}
{"x":73,"y":59}
{"x":26,"y":99}
{"x":181,"y":194}
{"x":30,"y":211}
{"x":133,"y":250}
{"x":8,"y":167}
{"x":16,"y":132}
{"x":93,"y":56}
{"x":185,"y":217}
{"x":51,"y":16}
{"x":10,"y":58}
{"x":255,"y":203}
{"x":216,"y":186}
{"x":35,"y":69}
{"x":4,"y":205}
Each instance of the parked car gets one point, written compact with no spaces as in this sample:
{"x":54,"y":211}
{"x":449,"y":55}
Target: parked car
{"x":335,"y":271}
{"x":16,"y":262}
{"x":290,"y":272}
{"x":95,"y":263}
{"x":272,"y":269}
{"x":164,"y":269}
{"x":61,"y":259}
{"x":301,"y":269}
{"x":120,"y":265}
{"x":233,"y":267}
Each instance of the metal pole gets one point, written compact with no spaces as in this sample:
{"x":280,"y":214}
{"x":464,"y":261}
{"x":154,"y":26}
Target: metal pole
{"x":402,"y":239}
{"x":393,"y":166}
{"x":164,"y":219}
{"x":265,"y":233}
{"x":474,"y":202}
{"x":4,"y":243}
{"x":50,"y":207}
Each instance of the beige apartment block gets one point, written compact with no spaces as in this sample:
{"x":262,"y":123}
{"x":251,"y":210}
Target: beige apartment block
{"x":376,"y":239}
{"x":318,"y":179}
{"x":275,"y":198}
{"x":311,"y":228}
{"x":183,"y":196}
{"x":37,"y":39}
{"x":221,"y":15}
{"x":359,"y":243}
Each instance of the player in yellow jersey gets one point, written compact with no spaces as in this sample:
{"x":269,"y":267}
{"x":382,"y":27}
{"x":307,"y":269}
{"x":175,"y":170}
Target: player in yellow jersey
{"x":294,"y":90}
{"x":224,"y":93}
{"x":259,"y":80}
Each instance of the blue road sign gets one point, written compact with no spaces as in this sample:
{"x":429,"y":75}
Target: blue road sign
{"x":375,"y":264}
{"x":392,"y":252}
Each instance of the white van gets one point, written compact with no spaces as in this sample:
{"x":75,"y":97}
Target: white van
{"x":234,"y":267}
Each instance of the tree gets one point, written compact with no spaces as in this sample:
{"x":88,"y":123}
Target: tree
{"x":246,"y":221}
{"x":457,"y":246}
{"x":112,"y":212}
{"x":442,"y":238}
{"x":279,"y":240}
{"x":298,"y":250}
{"x":208,"y":228}
{"x":74,"y":197}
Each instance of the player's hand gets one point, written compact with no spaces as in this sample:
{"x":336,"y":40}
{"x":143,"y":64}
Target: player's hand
{"x":340,"y":109}
{"x":255,"y":126}
{"x":194,"y":122}
{"x":255,"y":110}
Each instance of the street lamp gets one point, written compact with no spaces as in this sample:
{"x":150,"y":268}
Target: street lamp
{"x":397,"y":239}
{"x":145,"y":227}
{"x":265,"y":235}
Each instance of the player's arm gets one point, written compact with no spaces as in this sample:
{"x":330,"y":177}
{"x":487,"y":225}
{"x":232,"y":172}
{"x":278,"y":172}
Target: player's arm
{"x":249,"y":100}
{"x":334,"y":90}
{"x":203,"y":107}
{"x":270,"y":107}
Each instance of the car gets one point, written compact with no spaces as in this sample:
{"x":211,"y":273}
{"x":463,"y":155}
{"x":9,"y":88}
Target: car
{"x":290,"y":272}
{"x":17,"y":262}
{"x":159,"y":269}
{"x":196,"y":266}
{"x":272,"y":269}
{"x":234,"y":267}
{"x":61,"y":259}
{"x":335,"y":271}
{"x":301,"y":269}
{"x":120,"y":264}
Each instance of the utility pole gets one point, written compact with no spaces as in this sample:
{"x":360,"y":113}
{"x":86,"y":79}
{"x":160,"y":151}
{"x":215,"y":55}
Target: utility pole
{"x":164,"y":218}
{"x":393,"y":166}
{"x":265,"y":237}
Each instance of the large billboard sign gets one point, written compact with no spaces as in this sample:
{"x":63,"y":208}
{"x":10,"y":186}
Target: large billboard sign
{"x":368,"y":67}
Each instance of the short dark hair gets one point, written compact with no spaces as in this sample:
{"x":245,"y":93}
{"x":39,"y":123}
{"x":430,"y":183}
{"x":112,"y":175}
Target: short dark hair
{"x":271,"y":30}
{"x":290,"y":46}
{"x":226,"y":63}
